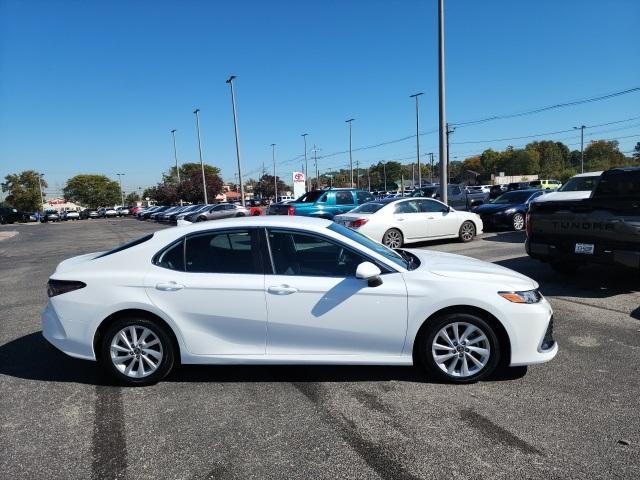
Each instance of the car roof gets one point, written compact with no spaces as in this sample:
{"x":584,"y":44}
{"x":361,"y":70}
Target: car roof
{"x":588,"y":174}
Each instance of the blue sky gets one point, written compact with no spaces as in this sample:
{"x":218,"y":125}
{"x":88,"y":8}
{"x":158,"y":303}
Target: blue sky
{"x":88,"y":86}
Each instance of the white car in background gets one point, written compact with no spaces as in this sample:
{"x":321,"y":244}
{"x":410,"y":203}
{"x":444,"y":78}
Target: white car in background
{"x":577,"y":187}
{"x":70,"y":215}
{"x":291,"y":290}
{"x":395,"y":222}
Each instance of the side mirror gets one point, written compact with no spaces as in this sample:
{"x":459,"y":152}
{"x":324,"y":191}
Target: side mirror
{"x":369,"y":272}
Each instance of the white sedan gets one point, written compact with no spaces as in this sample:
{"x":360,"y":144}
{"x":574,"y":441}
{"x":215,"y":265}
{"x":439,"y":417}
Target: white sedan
{"x":395,"y":222}
{"x":291,"y":290}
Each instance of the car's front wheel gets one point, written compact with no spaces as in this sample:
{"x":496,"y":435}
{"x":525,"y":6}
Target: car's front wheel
{"x":137,"y":351}
{"x":467,"y":231}
{"x":393,"y":238}
{"x":517,"y":222}
{"x":459,"y":348}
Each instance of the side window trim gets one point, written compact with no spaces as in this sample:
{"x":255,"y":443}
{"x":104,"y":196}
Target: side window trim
{"x":383,"y":268}
{"x":156,"y":258}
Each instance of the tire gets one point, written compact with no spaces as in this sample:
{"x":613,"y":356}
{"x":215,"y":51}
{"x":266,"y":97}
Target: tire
{"x":393,"y":238}
{"x":239,"y":215}
{"x":451,"y":369}
{"x":564,"y":268}
{"x":467,"y":231}
{"x":517,"y":222}
{"x":164,"y":349}
{"x":2,"y":221}
{"x":201,"y":219}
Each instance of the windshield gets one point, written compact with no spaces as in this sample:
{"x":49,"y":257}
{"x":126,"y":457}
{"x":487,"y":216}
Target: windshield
{"x":579,"y":184}
{"x":369,"y":207}
{"x":370,"y":244}
{"x":422,"y":192}
{"x":512,"y":197}
{"x":310,"y":197}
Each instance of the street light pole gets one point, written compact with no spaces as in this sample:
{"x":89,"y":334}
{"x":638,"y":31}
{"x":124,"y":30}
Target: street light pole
{"x":315,"y":160}
{"x":369,"y":178}
{"x":306,"y":165}
{"x":431,"y":169}
{"x":384,"y":169}
{"x":357,"y":173}
{"x":120,"y":175}
{"x":235,"y":127}
{"x":416,"y":95}
{"x":175,"y":156}
{"x":581,"y":128}
{"x":204,"y":182}
{"x":40,"y":175}
{"x":275,"y":179}
{"x":442,"y":106}
{"x":350,"y":152}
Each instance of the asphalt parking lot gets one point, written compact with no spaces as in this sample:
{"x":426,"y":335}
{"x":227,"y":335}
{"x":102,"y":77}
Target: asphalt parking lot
{"x":575,"y":417}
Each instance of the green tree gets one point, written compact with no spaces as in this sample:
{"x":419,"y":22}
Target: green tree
{"x":552,"y":157}
{"x":602,"y":155}
{"x":131,"y":198}
{"x":188,"y":170}
{"x":24,"y":190}
{"x":489,"y":160}
{"x":264,"y":188}
{"x":190,"y":189}
{"x":92,"y":190}
{"x":636,"y":152}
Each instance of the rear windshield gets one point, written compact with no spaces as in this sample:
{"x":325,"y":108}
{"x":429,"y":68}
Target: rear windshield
{"x":512,"y":197}
{"x":310,"y":197}
{"x":619,"y":184}
{"x":124,"y":246}
{"x":370,"y":207}
{"x":579,"y":184}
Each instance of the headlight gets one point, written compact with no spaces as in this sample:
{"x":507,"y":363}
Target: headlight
{"x":529,"y":296}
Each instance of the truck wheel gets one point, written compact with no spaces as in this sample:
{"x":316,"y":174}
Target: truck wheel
{"x":517,"y":222}
{"x":564,"y":268}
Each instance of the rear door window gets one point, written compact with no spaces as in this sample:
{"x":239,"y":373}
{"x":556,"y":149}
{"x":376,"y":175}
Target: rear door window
{"x":344,"y":198}
{"x":234,"y":251}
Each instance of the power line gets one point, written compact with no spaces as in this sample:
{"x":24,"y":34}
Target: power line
{"x":548,"y":107}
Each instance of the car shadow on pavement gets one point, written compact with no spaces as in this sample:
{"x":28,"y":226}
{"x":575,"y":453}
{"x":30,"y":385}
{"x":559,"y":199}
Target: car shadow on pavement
{"x":504,"y":237}
{"x":32,"y":358}
{"x":590,"y":281}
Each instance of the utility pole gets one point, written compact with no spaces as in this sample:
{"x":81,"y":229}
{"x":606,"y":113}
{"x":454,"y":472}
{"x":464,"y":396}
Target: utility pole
{"x":416,"y":96}
{"x":384,"y":169}
{"x":40,"y":175}
{"x":369,"y":177}
{"x":315,"y":159}
{"x":275,"y":179}
{"x":357,"y":173}
{"x":235,"y":127}
{"x":431,"y":169}
{"x":442,"y":106}
{"x":306,"y":166}
{"x":581,"y":128}
{"x":413,"y":175}
{"x":175,"y":156}
{"x":204,"y":182}
{"x":120,"y":175}
{"x":350,"y":152}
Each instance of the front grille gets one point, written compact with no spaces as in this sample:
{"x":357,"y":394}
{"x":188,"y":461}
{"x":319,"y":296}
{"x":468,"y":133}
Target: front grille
{"x":548,"y":341}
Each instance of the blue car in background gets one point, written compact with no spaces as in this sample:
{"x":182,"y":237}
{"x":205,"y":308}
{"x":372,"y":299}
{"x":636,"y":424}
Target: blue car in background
{"x":509,"y":210}
{"x":323,"y":203}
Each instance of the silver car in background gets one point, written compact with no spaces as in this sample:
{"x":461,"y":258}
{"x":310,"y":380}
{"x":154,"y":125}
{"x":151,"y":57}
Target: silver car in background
{"x":216,"y":212}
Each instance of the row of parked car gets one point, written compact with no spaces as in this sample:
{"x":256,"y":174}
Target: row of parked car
{"x":177,"y":215}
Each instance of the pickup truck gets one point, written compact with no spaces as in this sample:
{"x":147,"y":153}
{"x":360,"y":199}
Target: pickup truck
{"x":457,"y":197}
{"x":323,"y":203}
{"x":602,"y":229}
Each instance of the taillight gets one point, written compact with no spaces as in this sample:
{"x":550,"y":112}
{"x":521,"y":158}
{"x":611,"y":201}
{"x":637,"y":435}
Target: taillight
{"x":528,"y":224}
{"x":358,"y":223}
{"x":58,"y":287}
{"x":291,"y":210}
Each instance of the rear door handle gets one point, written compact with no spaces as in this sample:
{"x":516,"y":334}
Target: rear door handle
{"x":282,"y":290}
{"x":169,"y":286}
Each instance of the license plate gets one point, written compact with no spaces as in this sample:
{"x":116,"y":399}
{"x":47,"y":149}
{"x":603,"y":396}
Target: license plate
{"x":584,"y":248}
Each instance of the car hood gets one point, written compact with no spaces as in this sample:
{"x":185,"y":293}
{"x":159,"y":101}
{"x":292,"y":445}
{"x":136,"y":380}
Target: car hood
{"x":471,"y":269}
{"x":563,"y":196}
{"x":493,"y":208}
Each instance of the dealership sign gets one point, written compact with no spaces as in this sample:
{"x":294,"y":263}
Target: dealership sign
{"x":298,"y":184}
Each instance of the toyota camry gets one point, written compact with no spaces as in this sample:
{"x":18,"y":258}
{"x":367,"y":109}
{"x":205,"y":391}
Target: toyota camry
{"x":291,"y":290}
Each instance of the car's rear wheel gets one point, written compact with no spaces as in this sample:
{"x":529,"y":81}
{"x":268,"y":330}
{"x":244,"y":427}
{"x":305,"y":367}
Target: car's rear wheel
{"x":393,"y":238}
{"x":240,"y":214}
{"x":517,"y":222}
{"x":137,"y":351}
{"x":201,"y":219}
{"x":459,"y":348}
{"x":467,"y":231}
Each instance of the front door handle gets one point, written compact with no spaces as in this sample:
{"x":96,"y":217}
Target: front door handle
{"x":169,"y":286}
{"x":282,"y":290}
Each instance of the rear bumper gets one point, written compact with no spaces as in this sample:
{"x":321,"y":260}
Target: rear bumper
{"x":74,"y":341}
{"x":602,"y":255}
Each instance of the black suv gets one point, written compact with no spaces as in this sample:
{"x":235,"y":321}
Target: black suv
{"x":9,"y":215}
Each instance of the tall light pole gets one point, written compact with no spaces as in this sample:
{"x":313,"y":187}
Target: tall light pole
{"x":369,"y":177}
{"x":175,"y":156}
{"x":120,"y":175}
{"x":315,"y":160}
{"x":416,"y":96}
{"x":350,"y":153}
{"x":204,"y":182}
{"x":40,"y":175}
{"x":384,"y":169}
{"x":235,"y":127}
{"x":306,"y":166}
{"x":581,"y":128}
{"x":275,"y":179}
{"x":441,"y":104}
{"x":431,"y":169}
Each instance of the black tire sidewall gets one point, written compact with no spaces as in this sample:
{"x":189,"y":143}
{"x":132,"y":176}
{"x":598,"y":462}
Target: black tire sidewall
{"x":168,"y":357}
{"x":436,"y":324}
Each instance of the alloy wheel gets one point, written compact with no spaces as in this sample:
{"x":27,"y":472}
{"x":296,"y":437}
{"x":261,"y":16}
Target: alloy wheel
{"x":136,"y":351}
{"x":392,"y":239}
{"x":518,"y":222}
{"x":467,"y":232}
{"x":461,"y":349}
